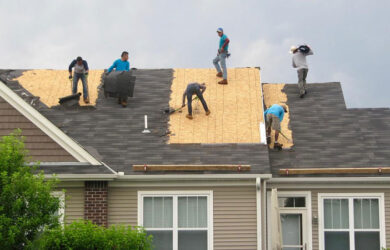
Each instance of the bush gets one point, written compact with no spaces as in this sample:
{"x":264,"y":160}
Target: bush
{"x":26,"y":203}
{"x":86,"y":235}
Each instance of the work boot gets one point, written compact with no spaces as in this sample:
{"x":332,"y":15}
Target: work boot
{"x":208,"y":112}
{"x":189,"y":116}
{"x":223,"y":82}
{"x":302,"y":94}
{"x":124,"y":104}
{"x":219,"y":74}
{"x":86,"y":100}
{"x":278,"y":146}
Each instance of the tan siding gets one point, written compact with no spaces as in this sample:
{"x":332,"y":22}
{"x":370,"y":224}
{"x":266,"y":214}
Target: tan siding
{"x":74,"y":204}
{"x":314,"y":200}
{"x":234,"y":213}
{"x":41,"y":147}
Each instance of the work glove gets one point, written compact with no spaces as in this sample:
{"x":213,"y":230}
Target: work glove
{"x":70,"y":77}
{"x":86,"y":74}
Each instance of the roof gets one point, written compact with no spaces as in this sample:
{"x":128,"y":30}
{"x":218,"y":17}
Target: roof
{"x":327,"y":134}
{"x":236,"y":108}
{"x":114,"y":135}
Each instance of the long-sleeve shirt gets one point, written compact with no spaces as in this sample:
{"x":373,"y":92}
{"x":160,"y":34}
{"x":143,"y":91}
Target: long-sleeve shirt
{"x":299,"y":60}
{"x":276,"y":110}
{"x":192,"y":89}
{"x":78,"y":69}
{"x":224,"y":43}
{"x":119,"y":65}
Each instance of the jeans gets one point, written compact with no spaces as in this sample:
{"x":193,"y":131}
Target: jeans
{"x":302,"y":74}
{"x":221,"y":58}
{"x":83,"y":78}
{"x":199,"y":94}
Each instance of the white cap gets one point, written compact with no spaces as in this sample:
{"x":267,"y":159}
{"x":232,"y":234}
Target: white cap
{"x":292,"y":49}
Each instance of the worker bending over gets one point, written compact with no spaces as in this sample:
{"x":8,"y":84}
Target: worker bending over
{"x":80,"y":72}
{"x":221,"y":56}
{"x":194,"y":89}
{"x":121,"y":64}
{"x":273,"y":117}
{"x":299,"y":62}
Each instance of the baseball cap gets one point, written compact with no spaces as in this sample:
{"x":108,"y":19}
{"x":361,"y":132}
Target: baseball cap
{"x":220,"y":30}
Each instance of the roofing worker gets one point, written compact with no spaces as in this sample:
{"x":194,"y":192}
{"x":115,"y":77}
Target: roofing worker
{"x":299,"y":62}
{"x":221,"y":56}
{"x":273,"y":117}
{"x":80,"y":72}
{"x":195,"y":89}
{"x":121,"y":64}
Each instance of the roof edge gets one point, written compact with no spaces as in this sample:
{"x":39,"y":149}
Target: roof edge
{"x":67,"y":143}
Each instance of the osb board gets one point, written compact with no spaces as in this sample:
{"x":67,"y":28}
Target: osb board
{"x":236,"y":108}
{"x":50,"y":85}
{"x":273,"y":94}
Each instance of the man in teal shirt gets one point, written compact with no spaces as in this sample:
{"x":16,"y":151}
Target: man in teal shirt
{"x":273,"y":117}
{"x":121,"y":64}
{"x":221,"y":56}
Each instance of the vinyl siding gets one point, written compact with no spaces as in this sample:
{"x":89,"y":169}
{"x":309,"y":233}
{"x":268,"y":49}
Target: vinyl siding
{"x":40,"y":146}
{"x":74,"y":204}
{"x":314,"y":200}
{"x":234,"y":213}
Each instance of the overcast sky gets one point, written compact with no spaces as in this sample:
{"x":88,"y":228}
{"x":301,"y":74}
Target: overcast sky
{"x":350,"y":38}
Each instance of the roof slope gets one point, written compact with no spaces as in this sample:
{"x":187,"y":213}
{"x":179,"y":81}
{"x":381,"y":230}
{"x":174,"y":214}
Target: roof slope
{"x":326,"y":134}
{"x":113,"y":134}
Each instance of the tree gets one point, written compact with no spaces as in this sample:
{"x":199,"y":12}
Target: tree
{"x":26,"y":203}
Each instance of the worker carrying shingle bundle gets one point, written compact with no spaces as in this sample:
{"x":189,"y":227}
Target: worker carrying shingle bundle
{"x":194,"y":89}
{"x":299,"y":62}
{"x":121,"y":64}
{"x":80,"y":72}
{"x":221,"y":56}
{"x":273,"y":117}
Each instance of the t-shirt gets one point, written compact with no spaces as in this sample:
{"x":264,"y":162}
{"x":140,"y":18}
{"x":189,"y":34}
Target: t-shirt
{"x":222,"y":41}
{"x":276,"y":110}
{"x":299,"y":60}
{"x":120,"y":65}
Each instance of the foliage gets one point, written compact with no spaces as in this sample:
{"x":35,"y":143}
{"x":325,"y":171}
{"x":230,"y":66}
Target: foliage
{"x":86,"y":235}
{"x":26,"y":203}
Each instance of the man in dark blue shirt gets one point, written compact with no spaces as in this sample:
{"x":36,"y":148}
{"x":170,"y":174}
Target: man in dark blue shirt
{"x":194,"y":89}
{"x":80,"y":72}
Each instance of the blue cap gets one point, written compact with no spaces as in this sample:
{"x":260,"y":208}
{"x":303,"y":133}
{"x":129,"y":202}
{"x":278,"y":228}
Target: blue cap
{"x":220,"y":30}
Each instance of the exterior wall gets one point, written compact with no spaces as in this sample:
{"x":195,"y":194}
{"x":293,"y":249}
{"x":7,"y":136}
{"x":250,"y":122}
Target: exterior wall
{"x":234,"y":213}
{"x":40,"y":146}
{"x":74,"y":204}
{"x":314,"y":206}
{"x":95,"y":202}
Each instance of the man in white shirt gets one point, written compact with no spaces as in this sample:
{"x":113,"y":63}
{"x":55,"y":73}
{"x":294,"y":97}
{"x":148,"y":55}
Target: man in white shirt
{"x":299,"y":62}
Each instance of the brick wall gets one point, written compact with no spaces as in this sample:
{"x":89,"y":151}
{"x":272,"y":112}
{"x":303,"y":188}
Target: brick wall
{"x":95,"y":205}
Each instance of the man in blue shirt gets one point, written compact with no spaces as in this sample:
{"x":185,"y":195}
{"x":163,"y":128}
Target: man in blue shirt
{"x":121,"y":64}
{"x":221,"y":56}
{"x":273,"y":117}
{"x":80,"y":72}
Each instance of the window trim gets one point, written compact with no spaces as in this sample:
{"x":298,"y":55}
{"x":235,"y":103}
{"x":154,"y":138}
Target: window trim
{"x":61,"y":211}
{"x":175,"y":194}
{"x":381,"y":205}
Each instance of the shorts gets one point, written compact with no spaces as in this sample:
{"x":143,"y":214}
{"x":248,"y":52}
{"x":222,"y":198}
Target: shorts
{"x":273,"y":122}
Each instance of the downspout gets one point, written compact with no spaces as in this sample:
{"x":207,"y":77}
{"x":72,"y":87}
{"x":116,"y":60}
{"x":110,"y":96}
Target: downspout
{"x":259,"y":213}
{"x":263,"y":215}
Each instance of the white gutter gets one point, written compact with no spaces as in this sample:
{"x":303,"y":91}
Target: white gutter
{"x":264,"y":215}
{"x":46,"y":126}
{"x":358,"y":179}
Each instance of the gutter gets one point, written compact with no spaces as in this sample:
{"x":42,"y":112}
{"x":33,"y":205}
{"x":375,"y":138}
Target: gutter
{"x":297,"y":171}
{"x":328,"y":180}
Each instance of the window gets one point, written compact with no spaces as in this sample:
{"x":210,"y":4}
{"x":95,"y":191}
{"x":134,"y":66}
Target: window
{"x":352,"y":221}
{"x":177,"y":220}
{"x":61,"y":211}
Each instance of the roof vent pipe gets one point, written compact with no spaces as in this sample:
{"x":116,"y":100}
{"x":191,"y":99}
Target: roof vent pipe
{"x":146,"y":130}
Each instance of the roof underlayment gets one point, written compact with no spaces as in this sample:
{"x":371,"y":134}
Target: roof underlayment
{"x":273,"y":94}
{"x":236,"y":108}
{"x":50,"y":85}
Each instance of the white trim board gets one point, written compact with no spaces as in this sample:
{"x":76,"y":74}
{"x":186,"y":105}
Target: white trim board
{"x":46,"y":126}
